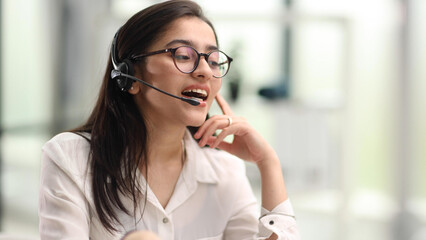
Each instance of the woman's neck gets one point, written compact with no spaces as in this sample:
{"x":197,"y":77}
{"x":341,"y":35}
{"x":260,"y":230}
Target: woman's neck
{"x":165,"y":145}
{"x":165,"y":154}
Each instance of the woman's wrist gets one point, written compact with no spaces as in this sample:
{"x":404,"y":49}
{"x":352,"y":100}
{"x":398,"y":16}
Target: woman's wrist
{"x":273,"y":186}
{"x":269,"y":162}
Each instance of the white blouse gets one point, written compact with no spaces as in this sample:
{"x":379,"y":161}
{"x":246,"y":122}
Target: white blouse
{"x":212,"y":199}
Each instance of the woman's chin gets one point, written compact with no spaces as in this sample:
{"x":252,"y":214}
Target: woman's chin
{"x":197,"y":122}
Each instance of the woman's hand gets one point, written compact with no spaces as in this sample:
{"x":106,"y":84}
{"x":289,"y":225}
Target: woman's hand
{"x":248,"y":144}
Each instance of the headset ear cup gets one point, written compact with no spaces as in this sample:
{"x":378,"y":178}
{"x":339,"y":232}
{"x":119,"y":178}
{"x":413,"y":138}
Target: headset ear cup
{"x":125,"y":67}
{"x":129,"y":67}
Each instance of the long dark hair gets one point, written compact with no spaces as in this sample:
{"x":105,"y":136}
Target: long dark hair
{"x":118,"y":133}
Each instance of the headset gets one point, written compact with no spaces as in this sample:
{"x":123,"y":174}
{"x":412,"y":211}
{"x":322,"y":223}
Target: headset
{"x":123,"y":74}
{"x":124,"y":67}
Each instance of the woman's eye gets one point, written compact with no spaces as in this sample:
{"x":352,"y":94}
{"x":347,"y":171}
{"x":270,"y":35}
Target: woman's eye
{"x":213,"y":63}
{"x":182,"y":57}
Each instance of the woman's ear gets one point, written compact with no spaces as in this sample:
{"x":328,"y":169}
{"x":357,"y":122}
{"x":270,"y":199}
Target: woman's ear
{"x":135,"y":88}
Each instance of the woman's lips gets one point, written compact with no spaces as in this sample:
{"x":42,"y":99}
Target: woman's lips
{"x":196,"y":93}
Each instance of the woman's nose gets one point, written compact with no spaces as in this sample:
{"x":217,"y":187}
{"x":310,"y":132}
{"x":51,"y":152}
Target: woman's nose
{"x":203,"y":69}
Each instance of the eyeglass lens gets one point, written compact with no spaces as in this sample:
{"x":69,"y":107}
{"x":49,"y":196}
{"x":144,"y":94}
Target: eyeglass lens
{"x":186,"y":60}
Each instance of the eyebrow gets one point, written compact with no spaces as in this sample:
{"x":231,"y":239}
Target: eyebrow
{"x":188,"y":43}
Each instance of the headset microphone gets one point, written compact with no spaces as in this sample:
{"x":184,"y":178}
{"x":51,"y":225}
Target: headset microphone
{"x":123,"y":74}
{"x":115,"y":74}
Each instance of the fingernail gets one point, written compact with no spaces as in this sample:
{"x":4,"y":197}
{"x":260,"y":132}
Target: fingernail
{"x":196,"y":135}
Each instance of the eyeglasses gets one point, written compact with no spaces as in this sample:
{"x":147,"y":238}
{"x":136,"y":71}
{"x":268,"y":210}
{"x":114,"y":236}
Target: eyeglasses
{"x":186,"y":59}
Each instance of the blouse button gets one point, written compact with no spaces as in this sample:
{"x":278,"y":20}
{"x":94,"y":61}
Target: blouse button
{"x":165,"y":220}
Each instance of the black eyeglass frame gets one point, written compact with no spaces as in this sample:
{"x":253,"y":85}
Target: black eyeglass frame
{"x":173,"y":52}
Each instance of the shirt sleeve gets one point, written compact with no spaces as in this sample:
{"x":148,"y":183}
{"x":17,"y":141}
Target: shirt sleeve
{"x":281,"y":221}
{"x":246,"y":224}
{"x":63,"y":211}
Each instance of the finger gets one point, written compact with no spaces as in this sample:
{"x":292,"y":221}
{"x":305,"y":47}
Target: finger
{"x":221,"y":137}
{"x":221,"y":145}
{"x":207,"y":134}
{"x":225,"y":146}
{"x":210,"y":127}
{"x":209,"y":122}
{"x":211,"y":141}
{"x":226,"y":109}
{"x":204,"y":127}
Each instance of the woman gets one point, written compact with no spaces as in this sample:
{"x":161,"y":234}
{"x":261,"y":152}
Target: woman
{"x":134,"y":165}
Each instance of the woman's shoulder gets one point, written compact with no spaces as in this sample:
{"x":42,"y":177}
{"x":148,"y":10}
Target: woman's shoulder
{"x":70,"y":137}
{"x":69,"y":151}
{"x":67,"y":141}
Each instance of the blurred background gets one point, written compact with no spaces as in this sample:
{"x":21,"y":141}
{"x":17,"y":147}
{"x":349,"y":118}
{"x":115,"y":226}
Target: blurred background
{"x":336,"y":86}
